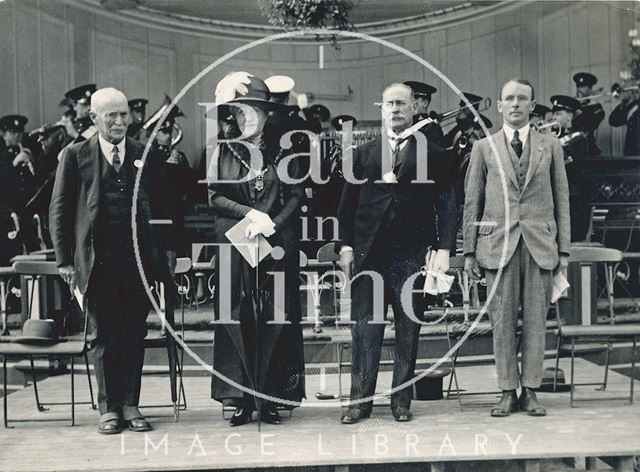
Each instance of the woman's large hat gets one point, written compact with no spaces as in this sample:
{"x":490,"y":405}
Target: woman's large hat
{"x":242,"y":87}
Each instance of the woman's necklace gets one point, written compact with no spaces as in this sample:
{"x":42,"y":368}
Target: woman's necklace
{"x":257,"y":174}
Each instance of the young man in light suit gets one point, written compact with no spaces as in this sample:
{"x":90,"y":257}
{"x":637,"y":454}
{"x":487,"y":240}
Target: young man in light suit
{"x":528,"y":240}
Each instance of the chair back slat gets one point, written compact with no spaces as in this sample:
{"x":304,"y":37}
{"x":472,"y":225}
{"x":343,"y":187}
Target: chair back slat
{"x":35,"y":267}
{"x":327,"y":253}
{"x":594,"y":254}
{"x":183,"y":265}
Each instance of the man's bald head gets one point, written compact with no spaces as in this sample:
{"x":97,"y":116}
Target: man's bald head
{"x":105,"y":96}
{"x":110,"y":113}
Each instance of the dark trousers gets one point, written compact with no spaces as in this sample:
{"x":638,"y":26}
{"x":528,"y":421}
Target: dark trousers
{"x":367,"y":338}
{"x":117,"y":308}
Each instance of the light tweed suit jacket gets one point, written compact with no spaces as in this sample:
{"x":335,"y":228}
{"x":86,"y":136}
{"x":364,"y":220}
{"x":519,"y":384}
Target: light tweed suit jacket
{"x":494,"y":221}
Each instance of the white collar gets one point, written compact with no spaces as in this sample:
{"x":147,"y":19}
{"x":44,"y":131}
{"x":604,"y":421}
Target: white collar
{"x":393,"y":138}
{"x":403,"y":135}
{"x":523,"y":133}
{"x":107,"y":149}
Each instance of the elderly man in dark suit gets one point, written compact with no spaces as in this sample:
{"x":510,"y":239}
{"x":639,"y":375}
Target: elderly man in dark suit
{"x":389,"y":215}
{"x":91,"y":230}
{"x":521,"y":227}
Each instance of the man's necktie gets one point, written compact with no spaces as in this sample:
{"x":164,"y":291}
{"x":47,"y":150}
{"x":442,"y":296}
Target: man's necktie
{"x":116,"y":159}
{"x":397,"y":140}
{"x":516,"y":144}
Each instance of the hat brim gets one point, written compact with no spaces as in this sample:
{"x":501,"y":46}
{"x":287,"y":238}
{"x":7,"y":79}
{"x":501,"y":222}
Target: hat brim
{"x":266,"y":104}
{"x":36,"y":340}
{"x":561,"y":108}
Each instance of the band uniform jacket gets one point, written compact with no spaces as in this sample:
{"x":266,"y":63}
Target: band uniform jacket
{"x":624,"y":114}
{"x":539,"y":212}
{"x":76,"y":201}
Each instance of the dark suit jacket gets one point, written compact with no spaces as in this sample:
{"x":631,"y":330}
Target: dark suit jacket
{"x":76,"y":202}
{"x":425,"y":212}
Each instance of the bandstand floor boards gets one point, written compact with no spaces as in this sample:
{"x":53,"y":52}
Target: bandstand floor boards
{"x":441,"y":437}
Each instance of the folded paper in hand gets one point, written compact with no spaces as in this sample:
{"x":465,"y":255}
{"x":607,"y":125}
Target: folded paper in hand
{"x":560,"y":285}
{"x":79,"y":297}
{"x":253,"y":250}
{"x":436,"y":282}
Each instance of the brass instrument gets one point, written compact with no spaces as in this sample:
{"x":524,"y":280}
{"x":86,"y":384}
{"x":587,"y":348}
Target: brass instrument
{"x":597,"y":95}
{"x":553,"y":126}
{"x":176,"y":135}
{"x":155,"y":116}
{"x":618,"y":90}
{"x":483,"y":105}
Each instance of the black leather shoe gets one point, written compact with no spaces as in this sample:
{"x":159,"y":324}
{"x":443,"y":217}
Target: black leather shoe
{"x":529,"y":402}
{"x":269,"y":414}
{"x":240,"y":416}
{"x":110,"y":427}
{"x":353,"y":415}
{"x":402,"y":414}
{"x":139,"y":425}
{"x":508,"y":404}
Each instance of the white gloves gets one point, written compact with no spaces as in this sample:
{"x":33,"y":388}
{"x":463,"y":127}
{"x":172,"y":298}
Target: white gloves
{"x":261,"y":223}
{"x":24,"y":158}
{"x":232,"y":85}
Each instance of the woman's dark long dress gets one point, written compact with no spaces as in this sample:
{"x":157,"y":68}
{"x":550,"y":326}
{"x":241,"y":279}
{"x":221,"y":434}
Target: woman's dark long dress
{"x":270,"y":361}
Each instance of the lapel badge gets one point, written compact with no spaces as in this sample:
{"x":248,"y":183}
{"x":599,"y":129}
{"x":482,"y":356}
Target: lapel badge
{"x":138,"y":163}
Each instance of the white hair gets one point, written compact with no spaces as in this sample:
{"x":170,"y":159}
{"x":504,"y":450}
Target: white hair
{"x":105,"y":95}
{"x":401,"y":85}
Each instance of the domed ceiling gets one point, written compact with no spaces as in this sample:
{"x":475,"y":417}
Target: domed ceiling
{"x":247,"y":12}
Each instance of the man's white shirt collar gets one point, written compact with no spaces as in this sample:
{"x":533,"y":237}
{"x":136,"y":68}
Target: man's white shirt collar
{"x":523,"y":133}
{"x":392,"y":137}
{"x":107,"y":149}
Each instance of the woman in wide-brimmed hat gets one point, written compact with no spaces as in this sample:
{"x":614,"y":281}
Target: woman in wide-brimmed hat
{"x":259,"y":356}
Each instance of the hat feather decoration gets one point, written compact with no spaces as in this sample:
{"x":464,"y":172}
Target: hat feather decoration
{"x":233,"y":84}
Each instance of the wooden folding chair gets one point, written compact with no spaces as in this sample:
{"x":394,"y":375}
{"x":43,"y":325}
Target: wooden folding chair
{"x":68,"y":347}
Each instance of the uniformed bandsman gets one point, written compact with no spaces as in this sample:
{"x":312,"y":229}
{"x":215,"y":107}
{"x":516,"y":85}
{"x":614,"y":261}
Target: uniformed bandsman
{"x":316,"y":115}
{"x":18,"y":172}
{"x":80,"y":98}
{"x":464,"y":118}
{"x":627,"y":112}
{"x":179,"y":177}
{"x":431,"y":129}
{"x":51,"y":138}
{"x":575,"y":146}
{"x":289,"y":119}
{"x":591,"y":114}
{"x":540,"y":115}
{"x":137,"y":113}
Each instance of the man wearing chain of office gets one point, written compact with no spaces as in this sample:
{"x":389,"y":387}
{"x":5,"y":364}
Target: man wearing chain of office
{"x":397,"y":203}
